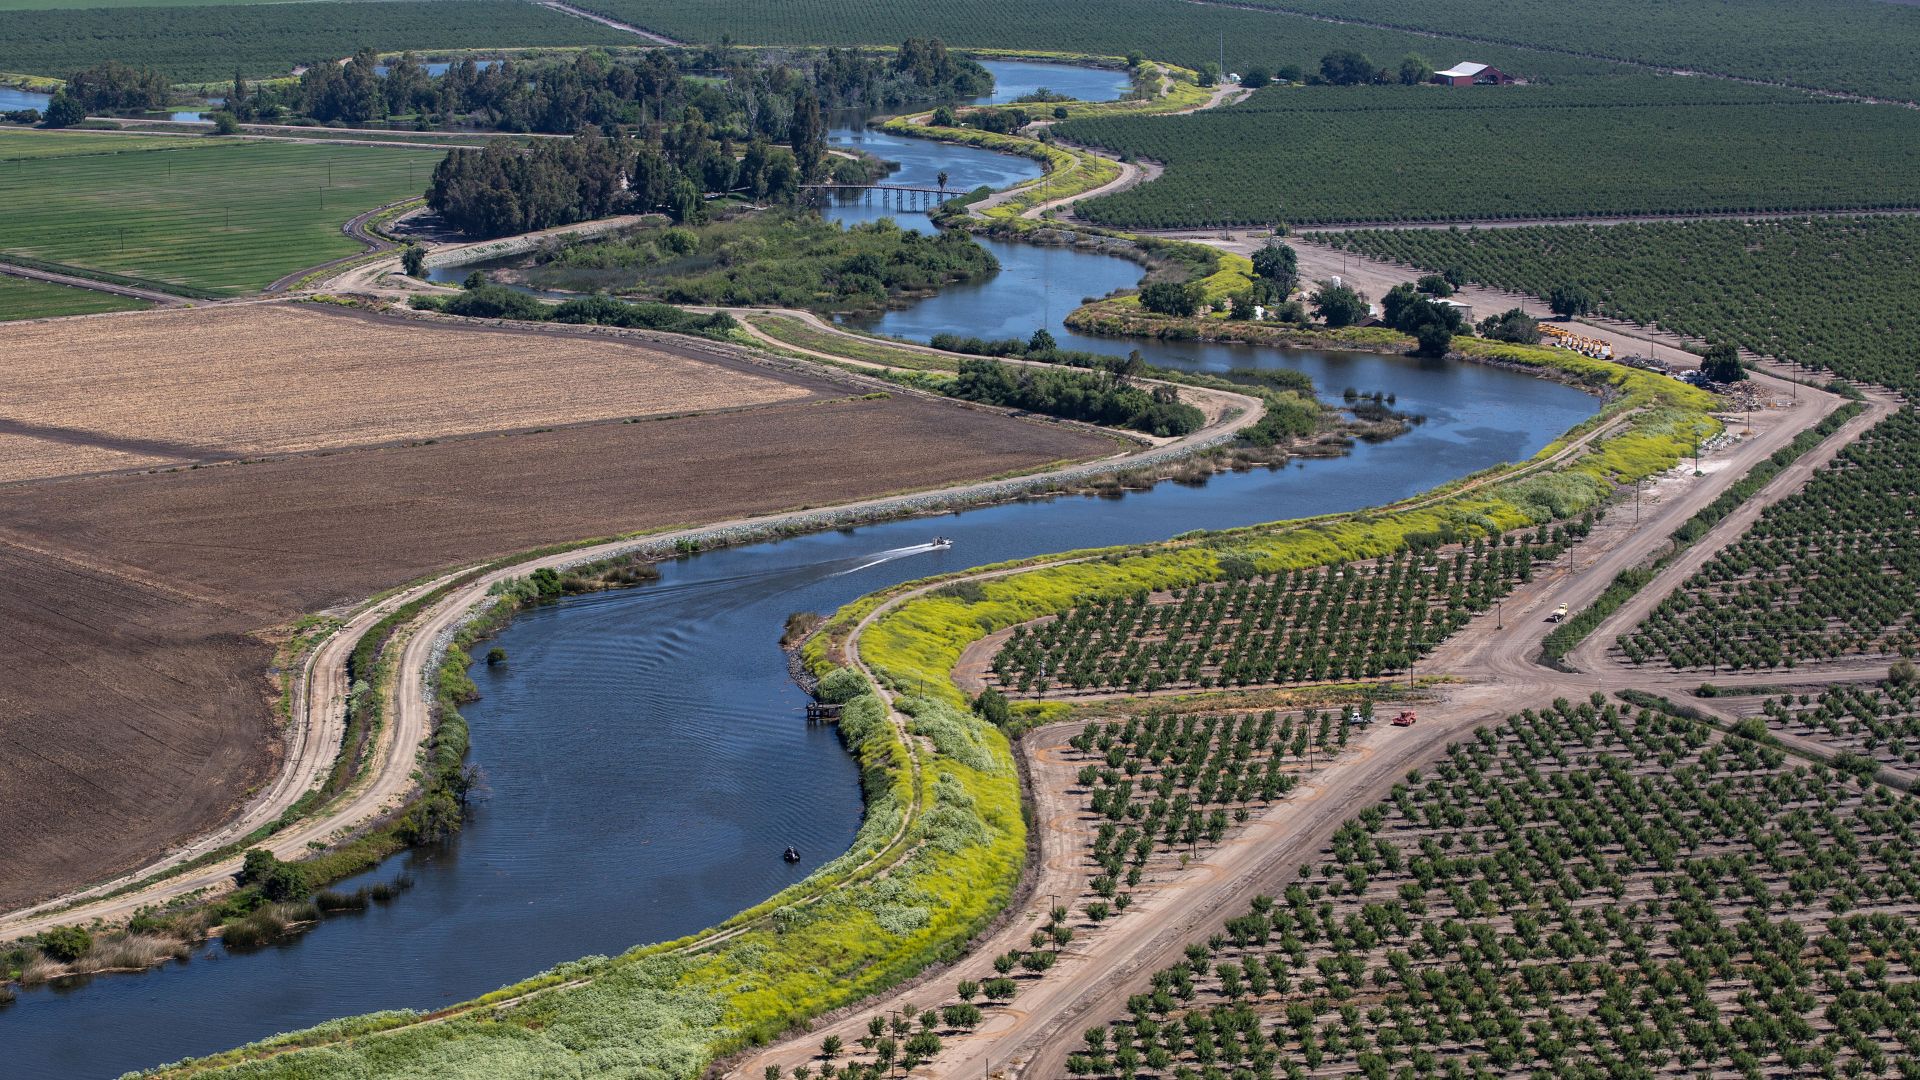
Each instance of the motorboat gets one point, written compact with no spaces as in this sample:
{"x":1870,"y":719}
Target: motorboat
{"x":943,"y":541}
{"x":792,"y":854}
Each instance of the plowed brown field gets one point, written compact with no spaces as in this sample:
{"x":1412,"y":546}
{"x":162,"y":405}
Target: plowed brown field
{"x":134,"y":705}
{"x":92,"y":395}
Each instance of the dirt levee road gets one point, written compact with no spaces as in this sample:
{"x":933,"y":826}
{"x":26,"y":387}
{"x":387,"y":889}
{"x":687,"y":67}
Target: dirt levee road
{"x":193,"y":386}
{"x":134,"y":705}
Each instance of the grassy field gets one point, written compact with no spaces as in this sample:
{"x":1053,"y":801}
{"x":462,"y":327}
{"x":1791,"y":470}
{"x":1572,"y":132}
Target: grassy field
{"x":24,"y":298}
{"x":23,"y":145}
{"x":1857,"y":46}
{"x":208,"y":43}
{"x":216,"y":217}
{"x":1633,"y":145}
{"x":1164,"y":29}
{"x":1853,"y":305}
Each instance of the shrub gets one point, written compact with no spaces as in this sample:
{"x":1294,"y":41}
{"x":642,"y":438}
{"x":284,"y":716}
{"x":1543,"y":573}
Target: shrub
{"x":66,"y":943}
{"x":842,"y":685}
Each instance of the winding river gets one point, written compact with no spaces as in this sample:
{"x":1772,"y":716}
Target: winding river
{"x":645,"y":756}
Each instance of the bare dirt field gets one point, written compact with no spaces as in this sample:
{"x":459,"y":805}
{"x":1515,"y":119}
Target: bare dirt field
{"x":134,"y":704}
{"x":167,"y":388}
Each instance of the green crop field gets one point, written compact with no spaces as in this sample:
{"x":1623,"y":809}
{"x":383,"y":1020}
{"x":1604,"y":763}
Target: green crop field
{"x":1634,"y":145}
{"x":208,"y":43}
{"x":1170,"y":30}
{"x":219,"y":217}
{"x":1839,"y":293}
{"x":24,"y":298}
{"x":1856,"y":46}
{"x":19,"y":145}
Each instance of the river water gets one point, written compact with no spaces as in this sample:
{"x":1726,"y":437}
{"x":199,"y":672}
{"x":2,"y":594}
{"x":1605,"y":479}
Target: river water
{"x":13,"y":100}
{"x":645,"y":756}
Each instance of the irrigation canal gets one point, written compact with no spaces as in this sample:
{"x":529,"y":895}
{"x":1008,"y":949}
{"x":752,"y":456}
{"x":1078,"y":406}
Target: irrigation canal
{"x":645,"y":755}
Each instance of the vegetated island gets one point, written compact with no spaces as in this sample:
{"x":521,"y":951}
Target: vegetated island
{"x":779,"y":258}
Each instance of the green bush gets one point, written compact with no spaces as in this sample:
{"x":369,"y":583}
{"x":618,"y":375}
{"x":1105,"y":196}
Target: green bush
{"x":66,"y":943}
{"x":842,"y":685}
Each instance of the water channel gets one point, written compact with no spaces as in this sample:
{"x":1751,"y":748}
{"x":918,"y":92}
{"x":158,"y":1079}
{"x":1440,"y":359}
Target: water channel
{"x":644,"y":750}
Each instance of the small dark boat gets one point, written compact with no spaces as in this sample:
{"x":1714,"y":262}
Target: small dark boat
{"x":792,"y":854}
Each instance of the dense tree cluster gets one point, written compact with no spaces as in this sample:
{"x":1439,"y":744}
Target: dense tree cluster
{"x":1577,"y":891}
{"x":1831,"y":571}
{"x":744,"y":96}
{"x":1513,"y":325}
{"x":1104,"y":398}
{"x":1722,"y":364}
{"x":504,"y":189}
{"x":1329,"y":622}
{"x":1431,"y":322}
{"x":1179,"y":299}
{"x":1347,"y":67}
{"x":1339,"y":305}
{"x":500,"y":302}
{"x":115,"y":87}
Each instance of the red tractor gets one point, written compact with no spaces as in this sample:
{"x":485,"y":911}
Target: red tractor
{"x":1405,"y":719}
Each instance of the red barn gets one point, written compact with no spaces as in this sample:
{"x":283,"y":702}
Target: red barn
{"x":1471,"y":74}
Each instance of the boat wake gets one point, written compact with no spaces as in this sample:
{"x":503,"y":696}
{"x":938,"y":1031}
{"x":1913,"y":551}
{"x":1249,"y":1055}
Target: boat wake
{"x":891,"y":554}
